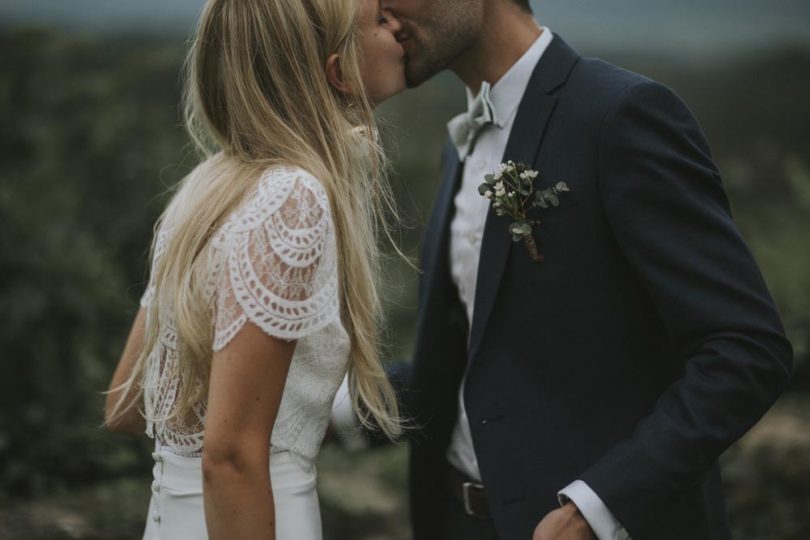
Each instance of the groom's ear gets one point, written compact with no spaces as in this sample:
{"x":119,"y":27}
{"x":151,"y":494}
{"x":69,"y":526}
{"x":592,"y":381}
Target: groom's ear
{"x":334,"y":75}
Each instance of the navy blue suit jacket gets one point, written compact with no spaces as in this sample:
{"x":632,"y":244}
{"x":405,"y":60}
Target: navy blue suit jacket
{"x":642,"y":348}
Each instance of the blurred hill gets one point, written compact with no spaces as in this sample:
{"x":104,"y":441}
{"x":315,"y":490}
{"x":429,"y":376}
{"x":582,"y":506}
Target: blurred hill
{"x":90,"y":143}
{"x":690,"y":26}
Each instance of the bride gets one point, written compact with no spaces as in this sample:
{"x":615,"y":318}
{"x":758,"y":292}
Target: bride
{"x":262,"y":288}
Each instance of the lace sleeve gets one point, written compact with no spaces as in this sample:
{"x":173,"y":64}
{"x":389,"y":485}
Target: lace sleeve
{"x":148,"y":294}
{"x":280,"y":270}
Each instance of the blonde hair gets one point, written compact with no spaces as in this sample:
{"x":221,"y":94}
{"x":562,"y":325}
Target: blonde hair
{"x":256,"y":96}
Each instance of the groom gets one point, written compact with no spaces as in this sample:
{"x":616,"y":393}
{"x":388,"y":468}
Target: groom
{"x":588,"y":395}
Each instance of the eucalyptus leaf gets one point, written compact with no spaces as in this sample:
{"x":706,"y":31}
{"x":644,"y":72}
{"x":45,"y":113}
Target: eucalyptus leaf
{"x":541,"y":202}
{"x":526,"y":228}
{"x":483,"y":188}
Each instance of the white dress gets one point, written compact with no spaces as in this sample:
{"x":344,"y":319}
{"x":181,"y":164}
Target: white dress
{"x":274,"y":264}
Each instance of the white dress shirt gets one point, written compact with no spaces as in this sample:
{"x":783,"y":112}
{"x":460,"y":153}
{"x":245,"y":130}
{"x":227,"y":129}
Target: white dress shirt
{"x":466,"y":232}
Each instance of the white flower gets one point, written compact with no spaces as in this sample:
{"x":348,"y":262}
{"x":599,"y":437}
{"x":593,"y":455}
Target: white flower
{"x":532,"y":174}
{"x":488,"y":194}
{"x":523,"y":175}
{"x":499,"y":185}
{"x":511,"y":193}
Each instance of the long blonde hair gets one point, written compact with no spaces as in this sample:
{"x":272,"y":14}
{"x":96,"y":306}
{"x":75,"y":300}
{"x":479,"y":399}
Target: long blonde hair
{"x":256,"y":96}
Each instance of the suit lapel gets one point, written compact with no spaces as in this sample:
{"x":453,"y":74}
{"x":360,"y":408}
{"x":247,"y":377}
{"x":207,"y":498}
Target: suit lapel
{"x":435,"y":254}
{"x":524,"y":142}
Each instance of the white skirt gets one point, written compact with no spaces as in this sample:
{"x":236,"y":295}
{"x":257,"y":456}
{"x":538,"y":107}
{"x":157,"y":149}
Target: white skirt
{"x":176,"y":508}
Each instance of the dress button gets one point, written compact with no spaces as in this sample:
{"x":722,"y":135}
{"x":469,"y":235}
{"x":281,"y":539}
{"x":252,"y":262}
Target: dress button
{"x":155,"y":517}
{"x":156,"y":486}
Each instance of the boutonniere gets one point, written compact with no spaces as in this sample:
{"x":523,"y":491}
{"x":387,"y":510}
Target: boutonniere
{"x":511,"y":191}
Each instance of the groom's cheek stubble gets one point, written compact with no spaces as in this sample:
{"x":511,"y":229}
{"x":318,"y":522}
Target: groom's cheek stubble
{"x":435,"y":33}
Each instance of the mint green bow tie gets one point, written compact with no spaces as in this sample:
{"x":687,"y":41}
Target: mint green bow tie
{"x":464,"y":128}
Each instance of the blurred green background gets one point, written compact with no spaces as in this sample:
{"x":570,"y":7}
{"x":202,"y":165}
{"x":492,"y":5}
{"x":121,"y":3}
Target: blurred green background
{"x":91,"y":139}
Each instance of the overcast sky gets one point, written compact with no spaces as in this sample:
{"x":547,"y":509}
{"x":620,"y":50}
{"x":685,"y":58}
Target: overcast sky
{"x":695,"y":24}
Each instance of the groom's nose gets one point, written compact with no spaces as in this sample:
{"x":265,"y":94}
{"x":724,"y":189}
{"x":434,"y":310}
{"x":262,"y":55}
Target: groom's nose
{"x":389,"y":5}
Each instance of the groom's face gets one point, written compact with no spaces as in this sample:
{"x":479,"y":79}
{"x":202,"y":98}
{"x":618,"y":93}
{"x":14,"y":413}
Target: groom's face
{"x":435,"y":33}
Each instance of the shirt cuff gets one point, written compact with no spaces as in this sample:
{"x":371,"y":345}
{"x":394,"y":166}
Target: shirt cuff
{"x":344,"y":421}
{"x":602,"y":521}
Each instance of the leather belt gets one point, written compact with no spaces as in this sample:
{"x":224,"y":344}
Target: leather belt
{"x":470,"y":493}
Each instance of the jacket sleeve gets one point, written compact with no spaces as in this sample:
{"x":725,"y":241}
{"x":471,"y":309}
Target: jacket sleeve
{"x":670,"y":217}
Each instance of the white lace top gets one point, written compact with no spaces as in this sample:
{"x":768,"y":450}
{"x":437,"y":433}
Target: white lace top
{"x":275,"y":265}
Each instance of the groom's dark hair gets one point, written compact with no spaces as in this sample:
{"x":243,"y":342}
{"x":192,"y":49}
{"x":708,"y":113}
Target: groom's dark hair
{"x":524,"y":4}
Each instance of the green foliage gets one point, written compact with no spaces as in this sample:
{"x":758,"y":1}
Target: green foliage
{"x":87,"y":132}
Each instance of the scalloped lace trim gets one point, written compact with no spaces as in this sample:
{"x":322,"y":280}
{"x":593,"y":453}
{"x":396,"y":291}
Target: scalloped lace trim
{"x":275,"y":265}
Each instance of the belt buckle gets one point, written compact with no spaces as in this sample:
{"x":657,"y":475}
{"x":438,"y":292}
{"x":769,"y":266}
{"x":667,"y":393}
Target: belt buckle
{"x":466,"y":489}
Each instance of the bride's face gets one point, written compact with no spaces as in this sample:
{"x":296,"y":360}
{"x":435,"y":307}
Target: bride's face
{"x":383,"y":67}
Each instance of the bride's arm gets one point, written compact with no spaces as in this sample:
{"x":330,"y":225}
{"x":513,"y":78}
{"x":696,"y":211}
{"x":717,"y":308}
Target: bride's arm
{"x":131,"y":421}
{"x":247,"y":380}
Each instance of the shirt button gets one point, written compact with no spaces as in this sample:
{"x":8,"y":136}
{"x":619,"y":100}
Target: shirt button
{"x":156,"y":486}
{"x":156,"y":517}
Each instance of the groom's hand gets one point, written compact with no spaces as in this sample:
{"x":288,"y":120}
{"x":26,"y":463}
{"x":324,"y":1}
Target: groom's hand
{"x":564,"y":523}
